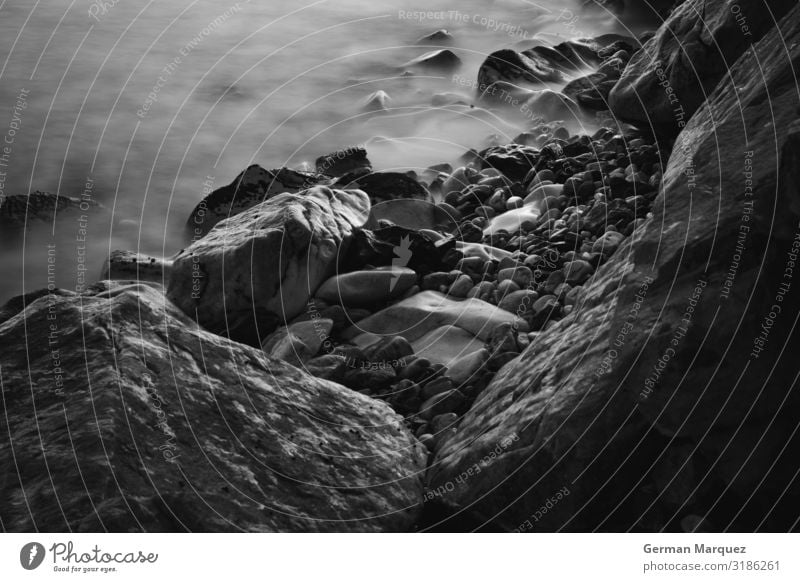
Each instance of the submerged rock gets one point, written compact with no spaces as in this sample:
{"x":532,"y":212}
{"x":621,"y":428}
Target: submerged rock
{"x":137,"y":267}
{"x":441,"y":60}
{"x":146,"y":413}
{"x":343,"y":161}
{"x":21,"y":210}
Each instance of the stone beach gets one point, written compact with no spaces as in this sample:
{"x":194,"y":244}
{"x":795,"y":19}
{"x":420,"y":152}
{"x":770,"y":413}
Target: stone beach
{"x":403,"y":325}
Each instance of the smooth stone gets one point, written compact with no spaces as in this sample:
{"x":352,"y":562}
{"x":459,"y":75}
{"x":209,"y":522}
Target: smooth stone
{"x":513,"y":220}
{"x":446,"y":344}
{"x":299,"y":341}
{"x":485,"y":252}
{"x":441,"y":404}
{"x":461,"y":370}
{"x":367,"y":287}
{"x":522,"y":276}
{"x":417,"y":316}
{"x":461,"y":286}
{"x":514,"y":202}
{"x":518,"y":302}
{"x":608,"y":243}
{"x":540,"y":193}
{"x":413,"y":213}
{"x":173,"y":408}
{"x":377,"y":101}
{"x":576,"y":273}
{"x":260,"y":267}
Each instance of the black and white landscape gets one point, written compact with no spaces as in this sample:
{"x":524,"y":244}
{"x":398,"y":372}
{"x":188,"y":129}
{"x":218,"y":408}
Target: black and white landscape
{"x":362,"y":267}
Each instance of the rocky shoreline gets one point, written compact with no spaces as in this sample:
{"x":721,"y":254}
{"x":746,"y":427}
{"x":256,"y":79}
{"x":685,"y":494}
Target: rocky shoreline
{"x":545,"y":337}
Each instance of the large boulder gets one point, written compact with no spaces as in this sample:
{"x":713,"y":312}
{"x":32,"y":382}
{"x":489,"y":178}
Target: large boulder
{"x":129,"y":417}
{"x":257,"y":270}
{"x":543,"y":65}
{"x":667,"y":393}
{"x":253,"y":186}
{"x":671,"y":76}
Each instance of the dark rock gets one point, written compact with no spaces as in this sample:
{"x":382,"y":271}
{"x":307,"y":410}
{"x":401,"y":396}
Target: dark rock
{"x":253,"y":186}
{"x":382,"y":186}
{"x":667,"y":81}
{"x":146,"y":407}
{"x":343,"y":161}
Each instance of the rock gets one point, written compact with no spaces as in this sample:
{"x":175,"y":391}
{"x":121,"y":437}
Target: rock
{"x":146,"y":407}
{"x":440,"y":36}
{"x":506,"y":287}
{"x":545,"y":64}
{"x":327,"y":367}
{"x":689,"y":55}
{"x":298,"y":342}
{"x":485,"y":252}
{"x":136,"y":267}
{"x":417,"y":316}
{"x":372,"y":378}
{"x":513,"y":160}
{"x":460,"y":287}
{"x":443,"y":422}
{"x":441,"y":60}
{"x":365,"y":288}
{"x":343,"y":162}
{"x":382,"y":186}
{"x":608,"y":243}
{"x":253,"y":186}
{"x":442,"y":403}
{"x":399,"y":247}
{"x":449,"y":98}
{"x":21,"y":210}
{"x":258,"y":269}
{"x":592,"y":420}
{"x":415,"y":214}
{"x":577,"y":272}
{"x":518,"y":302}
{"x":436,"y":386}
{"x":464,"y":368}
{"x":513,"y":220}
{"x":375,"y":102}
{"x":446,"y":344}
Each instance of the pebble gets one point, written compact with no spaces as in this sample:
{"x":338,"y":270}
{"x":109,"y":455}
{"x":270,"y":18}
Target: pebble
{"x":464,"y":368}
{"x":504,"y":288}
{"x":520,"y":275}
{"x":577,"y":272}
{"x":514,"y":202}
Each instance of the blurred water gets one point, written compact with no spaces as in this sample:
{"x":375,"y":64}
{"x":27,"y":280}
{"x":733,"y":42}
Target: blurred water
{"x":266,"y":82}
